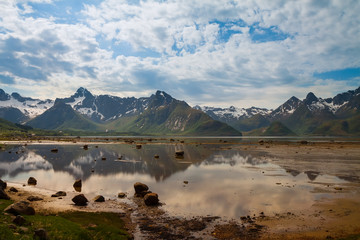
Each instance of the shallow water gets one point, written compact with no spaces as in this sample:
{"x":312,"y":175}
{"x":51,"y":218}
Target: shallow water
{"x":221,"y":181}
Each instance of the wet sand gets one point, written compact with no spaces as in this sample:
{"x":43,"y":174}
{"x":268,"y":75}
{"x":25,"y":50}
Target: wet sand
{"x":328,"y":218}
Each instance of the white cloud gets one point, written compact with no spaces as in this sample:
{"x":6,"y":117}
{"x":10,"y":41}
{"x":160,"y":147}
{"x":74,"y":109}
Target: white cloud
{"x":187,"y":48}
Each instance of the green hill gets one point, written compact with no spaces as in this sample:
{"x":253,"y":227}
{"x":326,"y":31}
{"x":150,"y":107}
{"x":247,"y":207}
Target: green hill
{"x":62,"y":117}
{"x":278,"y":129}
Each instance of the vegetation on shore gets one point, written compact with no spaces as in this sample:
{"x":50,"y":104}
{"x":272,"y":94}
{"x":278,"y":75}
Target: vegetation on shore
{"x":66,"y":225}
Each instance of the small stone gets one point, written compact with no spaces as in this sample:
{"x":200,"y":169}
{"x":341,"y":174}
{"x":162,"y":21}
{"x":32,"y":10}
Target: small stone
{"x":138,"y":146}
{"x":179,"y":154}
{"x":121,"y":195}
{"x":85,"y":147}
{"x":54,"y":150}
{"x":12,"y":189}
{"x":156,"y":156}
{"x":186,"y":182}
{"x":32,"y":181}
{"x":59,"y":194}
{"x":34,"y":198}
{"x":99,"y":198}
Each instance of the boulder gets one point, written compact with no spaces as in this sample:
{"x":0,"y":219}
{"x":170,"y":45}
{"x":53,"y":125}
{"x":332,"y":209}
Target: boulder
{"x":141,"y":189}
{"x":80,"y":200}
{"x":20,"y":208}
{"x":3,"y":195}
{"x":41,"y":234}
{"x":77,"y":185}
{"x":151,"y":199}
{"x":59,"y":194}
{"x":3,"y":184}
{"x":12,"y":189}
{"x":99,"y":198}
{"x":138,"y":146}
{"x":32,"y":181}
{"x":19,"y":220}
{"x":34,"y":198}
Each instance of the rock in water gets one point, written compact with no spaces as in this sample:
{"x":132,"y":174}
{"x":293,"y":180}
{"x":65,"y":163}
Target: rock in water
{"x":179,"y":154}
{"x":99,"y":198}
{"x":121,"y":195}
{"x":151,"y":199}
{"x":80,"y":200}
{"x":12,"y":189}
{"x":3,"y":184}
{"x":20,"y":208}
{"x":59,"y":194}
{"x":34,"y":198}
{"x":77,"y":185}
{"x":141,"y":189}
{"x":3,"y":195}
{"x":32,"y":181}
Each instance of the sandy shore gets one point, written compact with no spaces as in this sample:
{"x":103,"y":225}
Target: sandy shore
{"x":333,"y":218}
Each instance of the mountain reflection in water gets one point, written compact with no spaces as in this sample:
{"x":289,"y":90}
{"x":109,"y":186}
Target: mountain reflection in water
{"x":227,"y":182}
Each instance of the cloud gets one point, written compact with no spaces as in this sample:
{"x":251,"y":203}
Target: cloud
{"x":205,"y":52}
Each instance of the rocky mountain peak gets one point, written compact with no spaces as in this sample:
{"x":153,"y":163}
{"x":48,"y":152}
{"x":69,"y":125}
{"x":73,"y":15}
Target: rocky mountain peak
{"x":310,"y":98}
{"x":4,"y":96}
{"x":82,"y":92}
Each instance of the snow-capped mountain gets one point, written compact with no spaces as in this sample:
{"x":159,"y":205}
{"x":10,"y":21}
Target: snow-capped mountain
{"x":291,"y":112}
{"x":232,"y":112}
{"x":29,"y":107}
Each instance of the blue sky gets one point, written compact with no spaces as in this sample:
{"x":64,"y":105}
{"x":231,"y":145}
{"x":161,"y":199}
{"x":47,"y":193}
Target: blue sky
{"x":206,"y":52}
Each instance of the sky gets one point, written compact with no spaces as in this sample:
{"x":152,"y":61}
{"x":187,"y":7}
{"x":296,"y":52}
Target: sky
{"x":220,"y":53}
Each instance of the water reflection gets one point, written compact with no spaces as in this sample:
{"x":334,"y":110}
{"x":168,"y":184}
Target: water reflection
{"x":221,"y":182}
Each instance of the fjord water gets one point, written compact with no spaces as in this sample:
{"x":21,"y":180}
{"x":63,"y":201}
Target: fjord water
{"x":211,"y":179}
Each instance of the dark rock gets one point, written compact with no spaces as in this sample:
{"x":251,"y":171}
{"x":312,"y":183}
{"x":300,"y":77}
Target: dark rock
{"x":3,"y":184}
{"x":156,"y":156}
{"x":19,"y":220}
{"x":261,"y":142}
{"x":12,"y":189}
{"x":59,"y":194}
{"x":77,"y":184}
{"x":140,"y":187}
{"x":20,"y":208}
{"x":121,"y":195}
{"x":99,"y":198}
{"x":304,"y":142}
{"x":179,"y":153}
{"x":151,"y":199}
{"x":103,"y":158}
{"x":54,"y":150}
{"x":3,"y":195}
{"x":138,"y":146}
{"x":34,"y":198}
{"x":40,"y":234}
{"x":80,"y":200}
{"x":32,"y":181}
{"x":85,"y":147}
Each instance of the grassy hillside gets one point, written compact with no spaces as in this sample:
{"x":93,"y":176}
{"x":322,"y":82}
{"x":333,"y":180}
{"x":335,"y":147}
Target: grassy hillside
{"x":346,"y":127}
{"x":62,"y":117}
{"x":176,"y":118}
{"x":278,"y":129}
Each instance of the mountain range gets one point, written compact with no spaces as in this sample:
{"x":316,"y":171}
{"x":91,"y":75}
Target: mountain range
{"x":339,"y":115}
{"x":161,"y":114}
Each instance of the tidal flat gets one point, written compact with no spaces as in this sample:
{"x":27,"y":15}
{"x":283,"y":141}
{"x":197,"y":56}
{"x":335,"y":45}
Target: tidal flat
{"x":220,"y":188}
